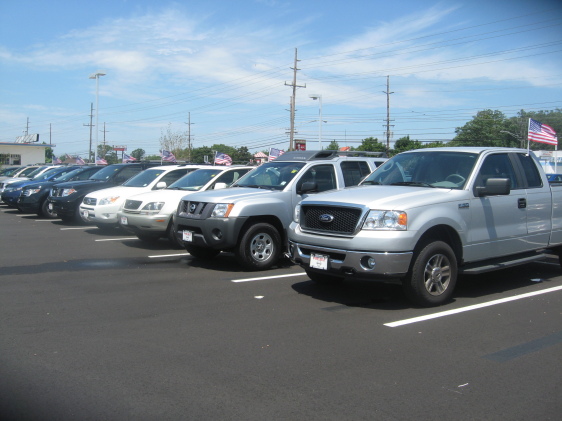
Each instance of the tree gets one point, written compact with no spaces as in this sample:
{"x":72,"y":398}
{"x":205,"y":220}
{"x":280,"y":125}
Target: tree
{"x":138,"y":154}
{"x":371,"y":144}
{"x":242,"y":156}
{"x":406,"y":144}
{"x":175,"y":142}
{"x":333,"y":146}
{"x":487,"y":128}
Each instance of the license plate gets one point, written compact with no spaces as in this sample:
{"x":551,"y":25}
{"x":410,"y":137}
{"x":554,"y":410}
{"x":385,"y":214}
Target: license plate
{"x":85,"y":213}
{"x":50,"y":206}
{"x":124,"y":220}
{"x":319,"y":261}
{"x":187,"y":236}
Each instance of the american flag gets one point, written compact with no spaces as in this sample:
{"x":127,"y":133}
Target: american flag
{"x":167,"y":156}
{"x":223,"y":159}
{"x":100,"y":161}
{"x":128,"y":158}
{"x":541,"y":133}
{"x":80,"y":161}
{"x":56,"y":160}
{"x":274,"y":153}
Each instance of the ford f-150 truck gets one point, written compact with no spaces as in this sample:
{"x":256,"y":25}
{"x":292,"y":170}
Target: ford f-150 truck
{"x":427,"y":215}
{"x":251,"y":217}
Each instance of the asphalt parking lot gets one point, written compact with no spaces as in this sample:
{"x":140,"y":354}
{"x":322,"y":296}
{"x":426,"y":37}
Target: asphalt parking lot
{"x":100,"y":326}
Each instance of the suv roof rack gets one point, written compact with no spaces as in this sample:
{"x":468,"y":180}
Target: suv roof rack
{"x":326,"y":154}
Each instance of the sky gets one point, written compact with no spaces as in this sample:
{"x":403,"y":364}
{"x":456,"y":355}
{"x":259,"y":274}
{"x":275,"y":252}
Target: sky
{"x":221,"y":70}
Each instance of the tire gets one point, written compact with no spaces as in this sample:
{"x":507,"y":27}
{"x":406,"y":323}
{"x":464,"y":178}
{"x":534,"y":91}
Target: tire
{"x":171,"y":235}
{"x":323,"y":278}
{"x":433,"y":275}
{"x":46,"y":212}
{"x":202,"y":252}
{"x":260,"y":247}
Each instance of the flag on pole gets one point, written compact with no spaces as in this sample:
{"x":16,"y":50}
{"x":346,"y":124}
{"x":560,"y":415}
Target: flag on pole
{"x":222,"y":159}
{"x":128,"y":158}
{"x":275,"y":153}
{"x":100,"y":161}
{"x":167,"y":156}
{"x":80,"y":161}
{"x":541,"y":133}
{"x":56,"y":160}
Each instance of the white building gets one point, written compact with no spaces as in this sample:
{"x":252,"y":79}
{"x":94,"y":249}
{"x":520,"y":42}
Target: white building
{"x":22,"y":153}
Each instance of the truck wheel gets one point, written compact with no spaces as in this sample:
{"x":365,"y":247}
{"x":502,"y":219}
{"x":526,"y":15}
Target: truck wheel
{"x":47,"y":211}
{"x":433,"y":275}
{"x":171,"y":235}
{"x":202,"y":252}
{"x":259,"y":247}
{"x":322,"y":278}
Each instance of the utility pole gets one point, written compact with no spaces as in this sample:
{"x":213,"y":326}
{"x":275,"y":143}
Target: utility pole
{"x":388,"y":125}
{"x":295,"y":86}
{"x":104,"y":132}
{"x":90,"y":126}
{"x":189,"y":136}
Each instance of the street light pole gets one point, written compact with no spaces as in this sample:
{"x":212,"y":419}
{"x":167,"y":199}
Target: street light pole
{"x":319,"y":98}
{"x":96,"y":76}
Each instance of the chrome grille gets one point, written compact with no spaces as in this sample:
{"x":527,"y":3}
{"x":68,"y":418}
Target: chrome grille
{"x":132,"y":204}
{"x":341,"y":220}
{"x":198,"y":210}
{"x":91,"y":201}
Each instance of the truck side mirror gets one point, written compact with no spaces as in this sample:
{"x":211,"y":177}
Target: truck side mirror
{"x":307,"y":187}
{"x":160,"y":185}
{"x":220,"y":186}
{"x":494,"y":187}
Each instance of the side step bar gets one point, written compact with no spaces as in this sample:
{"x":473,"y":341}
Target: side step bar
{"x":500,"y":263}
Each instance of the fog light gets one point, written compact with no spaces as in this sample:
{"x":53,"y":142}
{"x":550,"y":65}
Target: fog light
{"x":217,"y":234}
{"x":368,"y":262}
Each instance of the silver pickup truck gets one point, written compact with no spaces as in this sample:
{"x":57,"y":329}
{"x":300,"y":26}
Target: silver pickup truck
{"x":426,"y":215}
{"x":251,"y":217}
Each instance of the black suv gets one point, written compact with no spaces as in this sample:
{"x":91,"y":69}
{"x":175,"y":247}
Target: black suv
{"x":65,"y":198}
{"x":34,"y":197}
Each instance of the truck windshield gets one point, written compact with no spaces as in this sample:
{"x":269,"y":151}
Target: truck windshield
{"x":144,"y":178}
{"x":105,"y":174}
{"x":195,"y":180}
{"x":272,"y":175}
{"x":446,"y":170}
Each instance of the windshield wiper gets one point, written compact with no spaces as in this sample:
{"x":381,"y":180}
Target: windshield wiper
{"x":412,"y":183}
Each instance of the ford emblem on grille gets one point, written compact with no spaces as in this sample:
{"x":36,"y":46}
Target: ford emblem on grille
{"x":192,"y":207}
{"x":326,"y":218}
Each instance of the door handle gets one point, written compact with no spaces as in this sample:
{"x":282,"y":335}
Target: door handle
{"x":522,"y":203}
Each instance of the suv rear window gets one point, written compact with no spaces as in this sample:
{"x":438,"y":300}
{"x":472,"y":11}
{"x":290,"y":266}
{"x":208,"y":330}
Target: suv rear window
{"x":354,"y":171}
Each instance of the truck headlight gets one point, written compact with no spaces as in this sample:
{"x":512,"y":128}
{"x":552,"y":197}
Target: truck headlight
{"x":297,"y":213}
{"x":222,"y":210}
{"x":108,"y":200}
{"x":386,"y":220}
{"x":152,"y":207}
{"x":29,"y":192}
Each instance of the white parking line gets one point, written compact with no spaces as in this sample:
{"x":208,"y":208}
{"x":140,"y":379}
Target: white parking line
{"x":75,"y":228}
{"x":47,"y":220}
{"x":117,"y":239}
{"x":470,"y":308}
{"x":267,"y":277}
{"x":168,"y":255}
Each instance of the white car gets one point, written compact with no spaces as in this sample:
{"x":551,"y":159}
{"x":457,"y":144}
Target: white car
{"x":149,"y":215}
{"x":101,"y":206}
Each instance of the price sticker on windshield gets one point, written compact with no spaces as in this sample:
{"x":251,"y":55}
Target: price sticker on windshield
{"x":187,"y":236}
{"x":319,"y":261}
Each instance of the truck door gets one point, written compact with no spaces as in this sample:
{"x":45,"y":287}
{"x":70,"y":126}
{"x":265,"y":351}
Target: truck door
{"x":498,"y":224}
{"x":323,"y":175}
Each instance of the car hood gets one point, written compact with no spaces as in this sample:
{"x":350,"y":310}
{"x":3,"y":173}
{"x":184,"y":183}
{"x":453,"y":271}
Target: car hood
{"x":230,"y":195}
{"x":117,"y":191}
{"x":389,"y":197}
{"x":161,"y":195}
{"x":79,"y":184}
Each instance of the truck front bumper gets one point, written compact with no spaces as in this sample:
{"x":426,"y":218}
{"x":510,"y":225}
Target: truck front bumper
{"x":214,"y":233}
{"x":353,"y":263}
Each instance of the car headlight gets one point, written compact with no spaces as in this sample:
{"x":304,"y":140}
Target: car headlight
{"x":29,"y":192}
{"x":68,"y":192}
{"x":386,"y":220}
{"x":152,"y":207}
{"x":108,"y":200}
{"x":297,"y":213}
{"x":222,"y":210}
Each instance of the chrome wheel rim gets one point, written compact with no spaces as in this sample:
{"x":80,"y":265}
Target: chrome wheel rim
{"x":262,"y":247}
{"x":437,"y":274}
